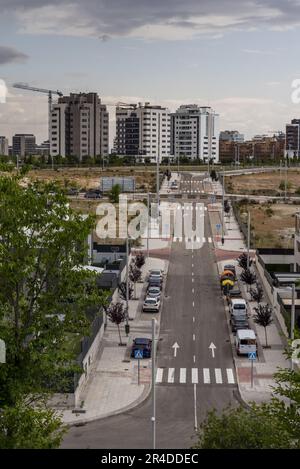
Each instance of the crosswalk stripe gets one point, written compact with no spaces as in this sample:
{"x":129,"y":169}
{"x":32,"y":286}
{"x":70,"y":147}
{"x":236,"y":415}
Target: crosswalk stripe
{"x":218,"y":375}
{"x":209,"y":240}
{"x":230,"y":376}
{"x":204,"y":240}
{"x":194,"y":375}
{"x":171,"y":373}
{"x":182,"y":377}
{"x":159,"y":375}
{"x":206,"y":375}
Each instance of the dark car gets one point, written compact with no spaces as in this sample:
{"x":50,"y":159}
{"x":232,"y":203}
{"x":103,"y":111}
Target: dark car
{"x":92,"y":195}
{"x":72,"y":191}
{"x":235,"y":292}
{"x":142,"y":344}
{"x":155,"y":282}
{"x":239,"y":323}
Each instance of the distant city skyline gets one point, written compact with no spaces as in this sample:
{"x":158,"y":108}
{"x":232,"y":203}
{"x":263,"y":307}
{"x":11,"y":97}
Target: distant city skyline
{"x":238,"y":58}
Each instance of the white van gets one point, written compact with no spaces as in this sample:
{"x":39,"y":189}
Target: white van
{"x":245,"y":341}
{"x":238,"y":307}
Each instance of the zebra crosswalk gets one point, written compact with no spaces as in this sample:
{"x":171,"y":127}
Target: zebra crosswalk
{"x":195,"y":240}
{"x":195,"y":376}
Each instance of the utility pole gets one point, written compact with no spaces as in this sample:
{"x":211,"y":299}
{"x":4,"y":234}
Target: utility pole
{"x":248,"y":240}
{"x":178,"y":165}
{"x":157,"y":183}
{"x":293,"y":313}
{"x":223,"y":189}
{"x":148,"y":223}
{"x":153,"y":418}
{"x":127,"y":287}
{"x":285,"y":181}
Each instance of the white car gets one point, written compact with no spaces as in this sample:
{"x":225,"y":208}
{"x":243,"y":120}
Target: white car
{"x":151,"y":304}
{"x":154,"y":292}
{"x":156,"y":273}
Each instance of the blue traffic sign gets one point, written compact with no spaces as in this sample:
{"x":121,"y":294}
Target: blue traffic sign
{"x":218,"y":226}
{"x":252,"y":356}
{"x":138,"y":354}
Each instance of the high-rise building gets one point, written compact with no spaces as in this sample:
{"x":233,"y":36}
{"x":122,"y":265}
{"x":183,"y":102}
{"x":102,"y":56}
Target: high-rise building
{"x":43,"y":149}
{"x":292,"y":142}
{"x":3,"y":146}
{"x":142,"y":131}
{"x":79,"y":126}
{"x":195,"y":133}
{"x":23,"y":145}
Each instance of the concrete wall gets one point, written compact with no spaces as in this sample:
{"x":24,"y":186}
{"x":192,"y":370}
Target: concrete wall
{"x":272,"y":296}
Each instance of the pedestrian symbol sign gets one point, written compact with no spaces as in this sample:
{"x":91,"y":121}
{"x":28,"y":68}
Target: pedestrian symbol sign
{"x":138,"y":354}
{"x":252,"y":356}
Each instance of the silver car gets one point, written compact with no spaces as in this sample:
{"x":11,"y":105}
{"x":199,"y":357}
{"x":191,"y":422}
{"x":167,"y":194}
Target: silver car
{"x":151,"y":304}
{"x":153,"y":292}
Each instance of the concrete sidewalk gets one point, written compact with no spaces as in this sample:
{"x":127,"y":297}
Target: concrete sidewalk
{"x":269,"y":359}
{"x":112,"y":386}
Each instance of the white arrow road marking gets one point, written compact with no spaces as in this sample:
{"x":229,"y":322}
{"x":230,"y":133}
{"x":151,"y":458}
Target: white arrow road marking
{"x":175,"y":347}
{"x":171,"y":373}
{"x":213,"y":348}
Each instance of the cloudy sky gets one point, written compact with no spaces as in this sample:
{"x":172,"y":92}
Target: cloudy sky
{"x":238,"y":57}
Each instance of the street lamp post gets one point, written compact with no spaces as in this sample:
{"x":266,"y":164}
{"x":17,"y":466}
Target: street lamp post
{"x":127,"y":328}
{"x":248,"y":240}
{"x":223,"y":189}
{"x":153,"y":418}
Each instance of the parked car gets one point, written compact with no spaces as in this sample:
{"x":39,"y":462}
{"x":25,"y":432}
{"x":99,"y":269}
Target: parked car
{"x":92,"y":195}
{"x":245,"y":342}
{"x":231,"y":268}
{"x":143,"y":344}
{"x":72,"y":191}
{"x":154,"y":292}
{"x":235,"y":292}
{"x":239,"y":322}
{"x":156,"y":273}
{"x":151,"y":304}
{"x":155,"y":282}
{"x":238,"y":306}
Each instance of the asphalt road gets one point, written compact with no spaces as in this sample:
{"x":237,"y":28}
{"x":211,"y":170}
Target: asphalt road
{"x":189,"y":384}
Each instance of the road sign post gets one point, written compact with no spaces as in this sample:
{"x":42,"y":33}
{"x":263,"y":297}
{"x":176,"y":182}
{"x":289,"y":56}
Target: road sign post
{"x":252,"y":357}
{"x":138,"y":354}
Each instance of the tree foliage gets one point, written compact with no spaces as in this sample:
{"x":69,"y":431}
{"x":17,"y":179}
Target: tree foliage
{"x":248,"y":277}
{"x":122,"y":291}
{"x":45,"y":295}
{"x":242,"y":261}
{"x":117,"y":314}
{"x":139,"y":260}
{"x":263,"y":317}
{"x":115,"y":193}
{"x":257,"y":293}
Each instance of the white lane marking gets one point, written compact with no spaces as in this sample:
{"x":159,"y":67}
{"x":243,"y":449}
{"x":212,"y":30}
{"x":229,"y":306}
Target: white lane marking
{"x":194,"y":375}
{"x":159,"y":375}
{"x":193,"y":304}
{"x":205,"y":208}
{"x":194,"y":359}
{"x":171,"y":373}
{"x":218,"y":375}
{"x":192,"y":273}
{"x":230,"y":376}
{"x":204,"y":240}
{"x":195,"y":406}
{"x":192,"y":280}
{"x":206,"y":375}
{"x":192,"y":265}
{"x":209,"y":240}
{"x":194,"y":337}
{"x":193,"y":319}
{"x":182,"y":377}
{"x":193,"y":290}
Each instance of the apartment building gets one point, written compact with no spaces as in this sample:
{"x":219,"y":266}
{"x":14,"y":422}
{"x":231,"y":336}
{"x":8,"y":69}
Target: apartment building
{"x":3,"y":146}
{"x":231,"y":136}
{"x":23,"y":145}
{"x":79,"y":126}
{"x":292,"y":143}
{"x":143,"y":131}
{"x":195,"y":133}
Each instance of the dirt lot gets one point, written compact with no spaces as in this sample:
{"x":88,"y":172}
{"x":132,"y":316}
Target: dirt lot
{"x":263,"y":183}
{"x":87,"y":178}
{"x":272,"y":224}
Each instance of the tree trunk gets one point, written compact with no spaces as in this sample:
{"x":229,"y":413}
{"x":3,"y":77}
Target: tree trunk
{"x":266,"y":337}
{"x":119,"y":334}
{"x":135,"y":290}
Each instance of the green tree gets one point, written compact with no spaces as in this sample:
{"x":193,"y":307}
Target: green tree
{"x":241,"y":428}
{"x":115,"y":193}
{"x":45,"y":297}
{"x":263,"y":317}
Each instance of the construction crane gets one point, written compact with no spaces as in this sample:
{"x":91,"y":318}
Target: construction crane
{"x":25,"y":86}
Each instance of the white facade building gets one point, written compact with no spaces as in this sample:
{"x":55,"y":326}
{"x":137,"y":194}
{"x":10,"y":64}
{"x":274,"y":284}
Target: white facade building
{"x":195,"y":133}
{"x":79,"y":126}
{"x":3,"y":146}
{"x":143,"y":131}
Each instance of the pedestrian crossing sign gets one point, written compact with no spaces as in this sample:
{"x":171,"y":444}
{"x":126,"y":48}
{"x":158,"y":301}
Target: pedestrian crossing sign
{"x":138,"y":354}
{"x":252,"y":356}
